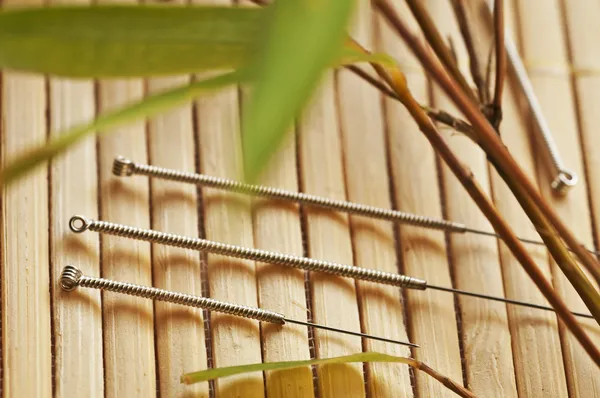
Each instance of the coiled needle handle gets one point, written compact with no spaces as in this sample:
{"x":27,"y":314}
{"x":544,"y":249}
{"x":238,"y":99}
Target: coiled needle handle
{"x":71,"y":278}
{"x":80,"y":224}
{"x":124,"y":167}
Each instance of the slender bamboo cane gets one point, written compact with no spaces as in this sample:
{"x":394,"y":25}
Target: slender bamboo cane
{"x":466,"y":178}
{"x":500,"y":157}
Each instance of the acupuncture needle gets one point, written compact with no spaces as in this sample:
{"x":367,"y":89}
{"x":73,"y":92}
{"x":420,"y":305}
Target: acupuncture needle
{"x":124,"y":167}
{"x":81,"y":224}
{"x":71,"y":278}
{"x":563,"y":178}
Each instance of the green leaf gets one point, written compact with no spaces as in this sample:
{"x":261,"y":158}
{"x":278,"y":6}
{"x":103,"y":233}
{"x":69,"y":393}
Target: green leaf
{"x":126,"y":41}
{"x":147,"y":107}
{"x":303,"y":38}
{"x":211,"y":374}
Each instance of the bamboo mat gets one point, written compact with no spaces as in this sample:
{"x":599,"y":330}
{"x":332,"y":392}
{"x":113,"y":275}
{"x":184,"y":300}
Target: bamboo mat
{"x":350,"y":144}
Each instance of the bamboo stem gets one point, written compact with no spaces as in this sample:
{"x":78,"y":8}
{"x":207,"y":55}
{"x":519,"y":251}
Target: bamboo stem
{"x":496,"y":116}
{"x":436,"y":42}
{"x":466,"y":178}
{"x":493,"y":146}
{"x":474,"y":64}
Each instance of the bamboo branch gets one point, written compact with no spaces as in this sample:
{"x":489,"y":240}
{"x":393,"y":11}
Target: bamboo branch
{"x":496,"y":108}
{"x":373,"y":81}
{"x":436,"y":41}
{"x":490,"y":142}
{"x":466,"y":178}
{"x":436,"y":114}
{"x":446,"y":381}
{"x":467,"y":35}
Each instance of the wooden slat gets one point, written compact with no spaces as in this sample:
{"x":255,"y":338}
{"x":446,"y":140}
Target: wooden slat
{"x":180,"y":341}
{"x":25,"y":276}
{"x":227,"y":218}
{"x":333,"y":300}
{"x":555,"y":94}
{"x":414,"y":171}
{"x":582,"y":31}
{"x":484,"y":325}
{"x":277,"y":227}
{"x":534,"y":333}
{"x":77,"y":316}
{"x":26,"y":307}
{"x":78,"y":352}
{"x":128,"y":321}
{"x":367,"y":181}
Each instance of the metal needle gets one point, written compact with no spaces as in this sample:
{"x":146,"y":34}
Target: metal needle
{"x":80,"y":224}
{"x":563,"y":179}
{"x":71,"y":278}
{"x":124,"y":167}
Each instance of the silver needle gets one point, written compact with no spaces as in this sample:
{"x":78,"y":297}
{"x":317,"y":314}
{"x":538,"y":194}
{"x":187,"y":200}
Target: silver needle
{"x":80,"y":224}
{"x":71,"y":278}
{"x":563,"y":179}
{"x":124,"y":167}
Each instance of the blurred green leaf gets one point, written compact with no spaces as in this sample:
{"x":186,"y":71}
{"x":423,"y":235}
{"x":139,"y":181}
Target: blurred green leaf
{"x":147,"y":107}
{"x":302,"y":39}
{"x":125,"y":41}
{"x":211,"y":374}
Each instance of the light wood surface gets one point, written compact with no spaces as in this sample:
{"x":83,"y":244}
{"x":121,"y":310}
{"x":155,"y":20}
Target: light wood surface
{"x":78,"y":316}
{"x":282,"y":289}
{"x":227,"y":218}
{"x":540,"y":344}
{"x":180,"y":336}
{"x":556,"y":97}
{"x":350,"y":143}
{"x":25,"y":277}
{"x":486,"y":339}
{"x":26,"y":304}
{"x":333,"y":299}
{"x":364,"y":149}
{"x":414,"y":174}
{"x":128,"y":321}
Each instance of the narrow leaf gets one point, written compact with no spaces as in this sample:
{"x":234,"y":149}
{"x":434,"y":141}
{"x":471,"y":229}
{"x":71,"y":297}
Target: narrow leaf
{"x":211,"y":374}
{"x":125,"y":41}
{"x":147,"y":107}
{"x":303,"y":38}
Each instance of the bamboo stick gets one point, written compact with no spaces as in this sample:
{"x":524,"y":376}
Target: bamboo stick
{"x":334,"y":300}
{"x":277,"y":228}
{"x":582,"y":31}
{"x":556,"y":99}
{"x":475,"y":262}
{"x":79,"y":369}
{"x":367,"y":182}
{"x":180,"y":342}
{"x":414,"y":173}
{"x":128,"y":321}
{"x":535,"y":337}
{"x":26,"y":305}
{"x":227,"y":218}
{"x":77,"y":317}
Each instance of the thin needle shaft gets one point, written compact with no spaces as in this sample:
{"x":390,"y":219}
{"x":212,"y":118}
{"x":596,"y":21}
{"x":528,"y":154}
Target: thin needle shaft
{"x":502,"y":300}
{"x":359,"y":334}
{"x":72,"y":277}
{"x":80,"y":224}
{"x":124,"y":167}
